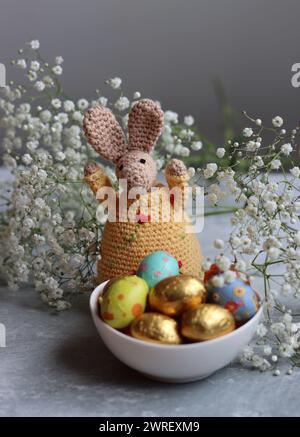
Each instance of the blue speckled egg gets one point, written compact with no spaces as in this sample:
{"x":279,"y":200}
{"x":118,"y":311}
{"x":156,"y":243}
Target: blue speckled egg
{"x":156,"y":267}
{"x":238,"y":297}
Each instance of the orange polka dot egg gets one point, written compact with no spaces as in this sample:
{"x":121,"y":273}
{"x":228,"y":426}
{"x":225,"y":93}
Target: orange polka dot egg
{"x":123,"y":300}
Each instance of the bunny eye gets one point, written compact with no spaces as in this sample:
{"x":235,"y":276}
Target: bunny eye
{"x":143,"y":161}
{"x":121,"y":167}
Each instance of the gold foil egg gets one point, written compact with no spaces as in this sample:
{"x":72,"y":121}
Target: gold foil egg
{"x":156,"y":328}
{"x":176,"y":294}
{"x":206,"y":322}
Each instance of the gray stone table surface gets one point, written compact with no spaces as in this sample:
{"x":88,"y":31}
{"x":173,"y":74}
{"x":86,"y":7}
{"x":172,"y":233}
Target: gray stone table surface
{"x":56,"y":365}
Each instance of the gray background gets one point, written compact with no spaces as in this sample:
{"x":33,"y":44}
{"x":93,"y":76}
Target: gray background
{"x":169,"y":49}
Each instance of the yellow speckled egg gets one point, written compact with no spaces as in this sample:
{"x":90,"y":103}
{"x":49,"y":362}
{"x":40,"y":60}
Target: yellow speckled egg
{"x":123,"y":299}
{"x":206,"y":322}
{"x":172,"y":296}
{"x":156,"y":328}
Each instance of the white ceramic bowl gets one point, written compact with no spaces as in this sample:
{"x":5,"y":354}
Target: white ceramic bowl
{"x":178,"y":363}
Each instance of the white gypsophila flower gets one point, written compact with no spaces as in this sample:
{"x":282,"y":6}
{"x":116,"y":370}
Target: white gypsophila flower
{"x":115,"y":82}
{"x":34,"y":65}
{"x":191,"y":172}
{"x":45,"y":116}
{"x":122,"y":103}
{"x":184,"y":151}
{"x":252,"y":146}
{"x":170,"y":148}
{"x":286,"y":149}
{"x":77,"y":116}
{"x":267,"y":350}
{"x":34,"y":44}
{"x":259,"y":161}
{"x":59,"y":60}
{"x":219,"y":244}
{"x":68,"y":105}
{"x":223,"y":263}
{"x":48,"y":81}
{"x":295,"y":171}
{"x":186,"y":134}
{"x":220,"y":152}
{"x":196,"y":146}
{"x":9,"y":162}
{"x":32,"y":76}
{"x":39,"y":85}
{"x":210,"y":170}
{"x":136,"y":95}
{"x":261,"y":330}
{"x":171,"y":117}
{"x":277,"y":121}
{"x":286,"y":350}
{"x":273,"y":253}
{"x":57,"y":69}
{"x":212,"y":198}
{"x":275,"y":164}
{"x":258,"y":122}
{"x":270,"y":207}
{"x":188,"y":120}
{"x":235,"y":241}
{"x":286,"y":289}
{"x":217,"y":281}
{"x":60,"y":156}
{"x":21,"y":63}
{"x":62,"y":117}
{"x":56,"y":103}
{"x":296,"y":239}
{"x":247,"y":132}
{"x":216,"y":189}
{"x":82,"y":104}
{"x":103,"y":101}
{"x":27,"y":159}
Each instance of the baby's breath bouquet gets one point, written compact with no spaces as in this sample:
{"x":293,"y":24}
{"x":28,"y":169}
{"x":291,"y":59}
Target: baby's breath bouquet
{"x":50,"y":227}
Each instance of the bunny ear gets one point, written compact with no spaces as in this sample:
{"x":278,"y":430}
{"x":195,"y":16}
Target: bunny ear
{"x":104,"y":133}
{"x":144,"y":125}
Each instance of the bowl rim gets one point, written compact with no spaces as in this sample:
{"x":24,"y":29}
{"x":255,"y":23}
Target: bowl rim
{"x":200,"y":344}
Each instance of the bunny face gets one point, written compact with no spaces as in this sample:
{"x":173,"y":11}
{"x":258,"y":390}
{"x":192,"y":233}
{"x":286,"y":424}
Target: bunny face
{"x":138,"y":168}
{"x":133,"y":161}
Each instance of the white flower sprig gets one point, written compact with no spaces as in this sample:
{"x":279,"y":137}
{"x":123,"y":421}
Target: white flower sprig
{"x":49,"y":231}
{"x":265,"y":238}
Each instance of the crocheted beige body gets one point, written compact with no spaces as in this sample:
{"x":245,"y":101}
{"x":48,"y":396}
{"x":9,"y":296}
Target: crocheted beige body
{"x":125,"y":244}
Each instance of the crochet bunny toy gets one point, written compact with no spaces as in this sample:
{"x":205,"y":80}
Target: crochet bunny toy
{"x":125,"y":244}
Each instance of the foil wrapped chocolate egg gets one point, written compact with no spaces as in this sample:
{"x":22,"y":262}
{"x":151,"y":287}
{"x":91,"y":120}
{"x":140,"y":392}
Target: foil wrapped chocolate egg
{"x":156,"y":328}
{"x":123,"y":299}
{"x":207,"y":322}
{"x":172,"y":296}
{"x":157,"y":266}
